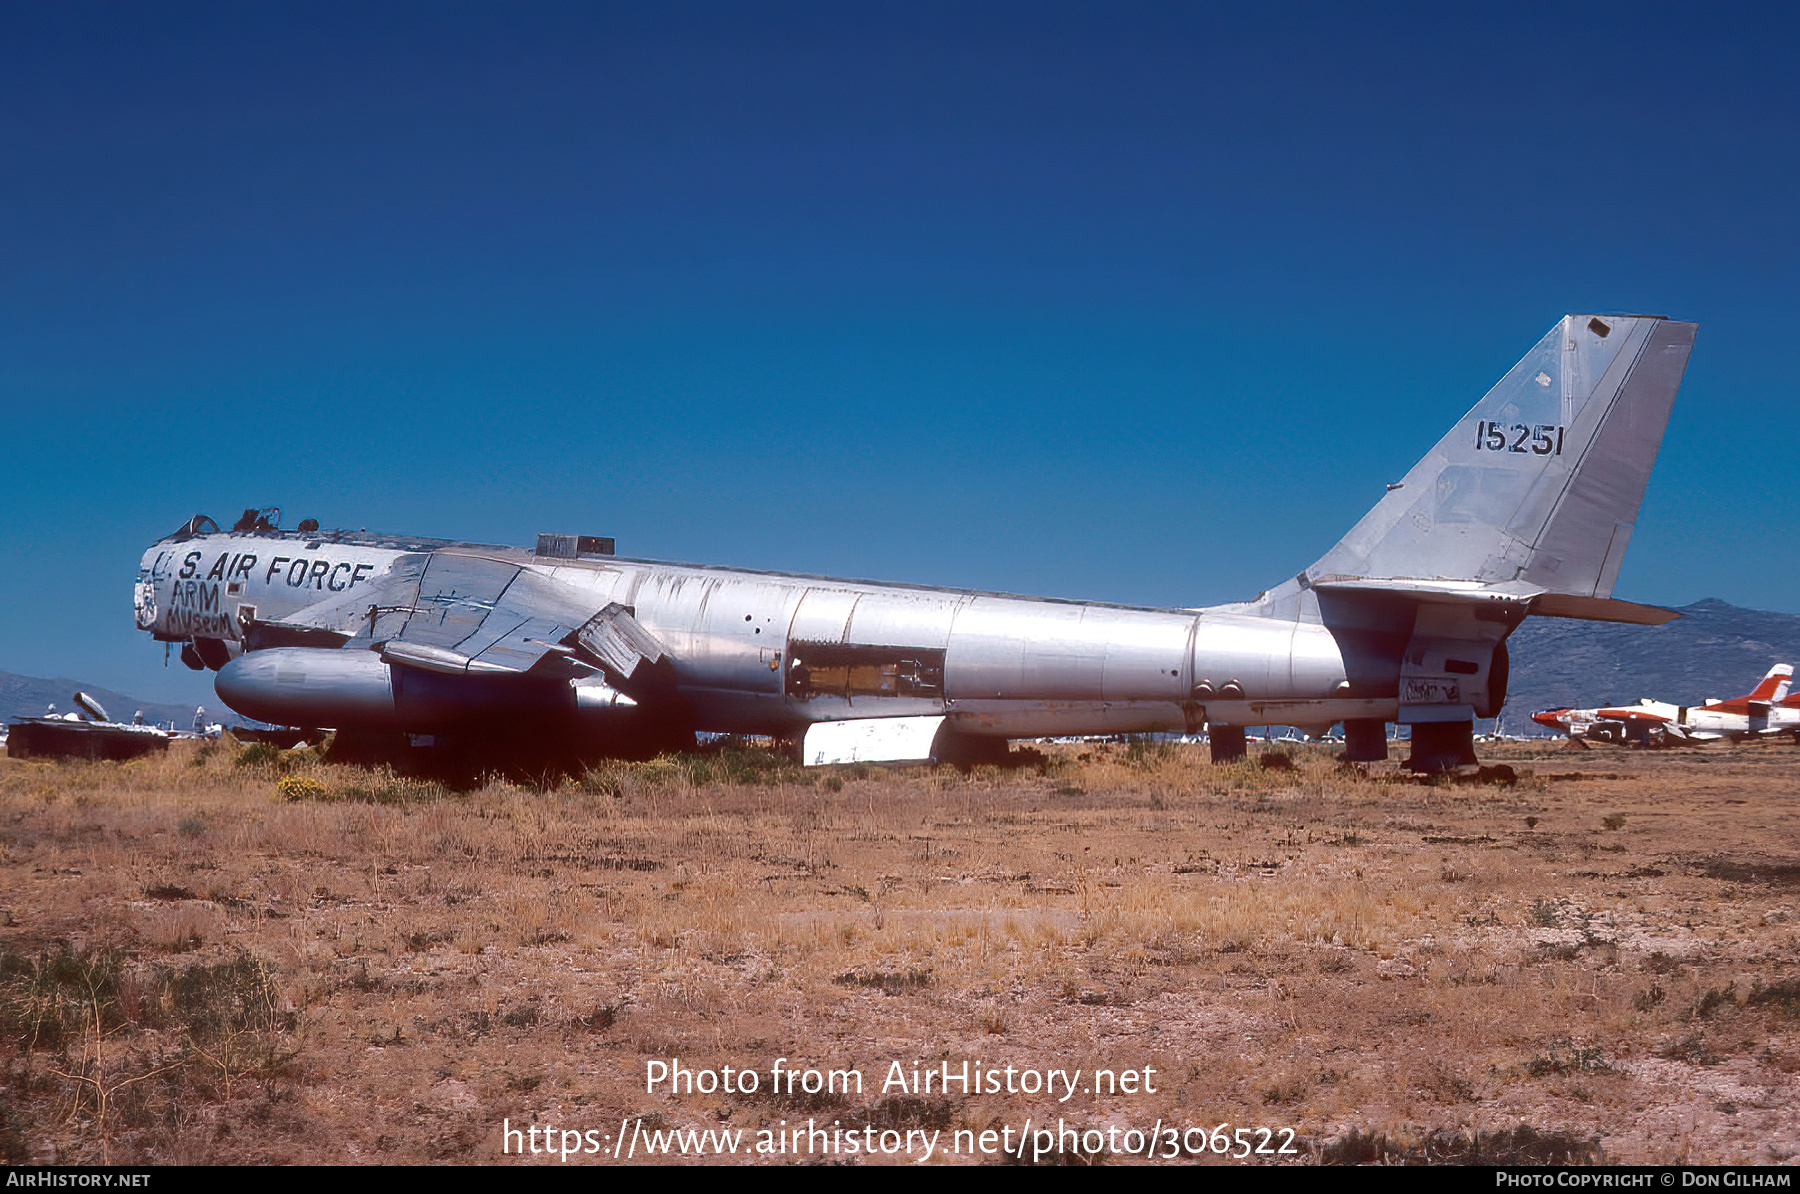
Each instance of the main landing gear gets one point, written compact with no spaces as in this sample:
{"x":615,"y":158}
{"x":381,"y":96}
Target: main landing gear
{"x":1436,"y":746}
{"x":1441,"y":746}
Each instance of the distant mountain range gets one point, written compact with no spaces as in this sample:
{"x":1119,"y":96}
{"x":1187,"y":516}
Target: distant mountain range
{"x":1712,"y":650}
{"x":30,"y":696}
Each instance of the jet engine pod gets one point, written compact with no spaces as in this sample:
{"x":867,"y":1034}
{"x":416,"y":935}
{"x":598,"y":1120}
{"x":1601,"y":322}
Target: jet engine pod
{"x":310,"y":686}
{"x":339,"y":689}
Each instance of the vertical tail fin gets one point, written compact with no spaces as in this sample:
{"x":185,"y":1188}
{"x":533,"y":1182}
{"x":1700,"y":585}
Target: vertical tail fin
{"x":1540,"y":483}
{"x":1774,"y":686}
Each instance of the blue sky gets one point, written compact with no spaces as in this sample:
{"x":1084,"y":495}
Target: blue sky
{"x":1135,"y":303}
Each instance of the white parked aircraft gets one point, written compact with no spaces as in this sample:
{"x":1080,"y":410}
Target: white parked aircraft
{"x":1765,"y":709}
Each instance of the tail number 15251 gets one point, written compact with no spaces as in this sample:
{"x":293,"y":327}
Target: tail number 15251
{"x":1539,"y":439}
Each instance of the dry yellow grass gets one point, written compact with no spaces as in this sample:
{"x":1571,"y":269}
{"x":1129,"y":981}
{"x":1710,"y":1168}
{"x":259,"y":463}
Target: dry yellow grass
{"x":360,"y":968}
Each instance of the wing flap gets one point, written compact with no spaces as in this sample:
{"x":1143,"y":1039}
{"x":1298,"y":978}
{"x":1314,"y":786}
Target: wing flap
{"x":615,"y":638}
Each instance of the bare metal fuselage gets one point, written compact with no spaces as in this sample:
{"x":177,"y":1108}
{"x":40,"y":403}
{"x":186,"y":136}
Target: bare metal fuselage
{"x":765,"y":653}
{"x":1524,"y":507}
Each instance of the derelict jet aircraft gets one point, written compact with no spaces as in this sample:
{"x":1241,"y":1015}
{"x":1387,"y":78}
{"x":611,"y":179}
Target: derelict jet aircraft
{"x":1764,"y":710}
{"x":1524,"y":507}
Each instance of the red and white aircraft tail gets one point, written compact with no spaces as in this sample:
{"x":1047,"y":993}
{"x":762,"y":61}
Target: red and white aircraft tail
{"x":1769,"y":690}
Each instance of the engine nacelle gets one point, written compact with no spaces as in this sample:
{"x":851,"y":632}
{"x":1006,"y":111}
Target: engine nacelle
{"x":339,"y":689}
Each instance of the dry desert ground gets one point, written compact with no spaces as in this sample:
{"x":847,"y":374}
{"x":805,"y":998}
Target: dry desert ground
{"x":234,"y":954}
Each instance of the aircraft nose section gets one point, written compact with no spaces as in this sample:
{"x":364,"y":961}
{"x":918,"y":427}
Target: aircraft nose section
{"x":143,"y":593}
{"x":1548,"y":718}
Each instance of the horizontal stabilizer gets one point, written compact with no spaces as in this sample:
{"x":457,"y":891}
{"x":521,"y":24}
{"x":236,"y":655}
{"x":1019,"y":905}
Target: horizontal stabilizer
{"x":1433,"y":591}
{"x":1548,"y":605}
{"x":1600,"y":609}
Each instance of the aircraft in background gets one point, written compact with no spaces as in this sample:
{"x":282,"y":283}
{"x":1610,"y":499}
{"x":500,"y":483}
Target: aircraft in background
{"x":1784,"y":716}
{"x":1524,"y":507}
{"x":86,"y":733}
{"x":1766,"y":709}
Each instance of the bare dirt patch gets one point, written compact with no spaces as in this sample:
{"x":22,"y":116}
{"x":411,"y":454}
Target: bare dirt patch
{"x":1565,"y":959}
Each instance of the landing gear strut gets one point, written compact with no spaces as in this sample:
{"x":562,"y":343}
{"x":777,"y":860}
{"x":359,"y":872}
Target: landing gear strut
{"x":1227,"y":743}
{"x":1439,"y":746}
{"x":968,"y":750}
{"x":1365,"y":741}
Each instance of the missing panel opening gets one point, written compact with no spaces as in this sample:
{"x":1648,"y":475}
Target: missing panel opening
{"x":851,"y":671}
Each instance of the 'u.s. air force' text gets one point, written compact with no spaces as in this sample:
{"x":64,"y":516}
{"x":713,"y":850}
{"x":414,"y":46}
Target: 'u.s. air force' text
{"x":299,"y":571}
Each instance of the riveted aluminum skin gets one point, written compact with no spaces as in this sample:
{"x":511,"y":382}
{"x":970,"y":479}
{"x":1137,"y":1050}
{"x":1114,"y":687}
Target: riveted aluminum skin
{"x":1525,"y":506}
